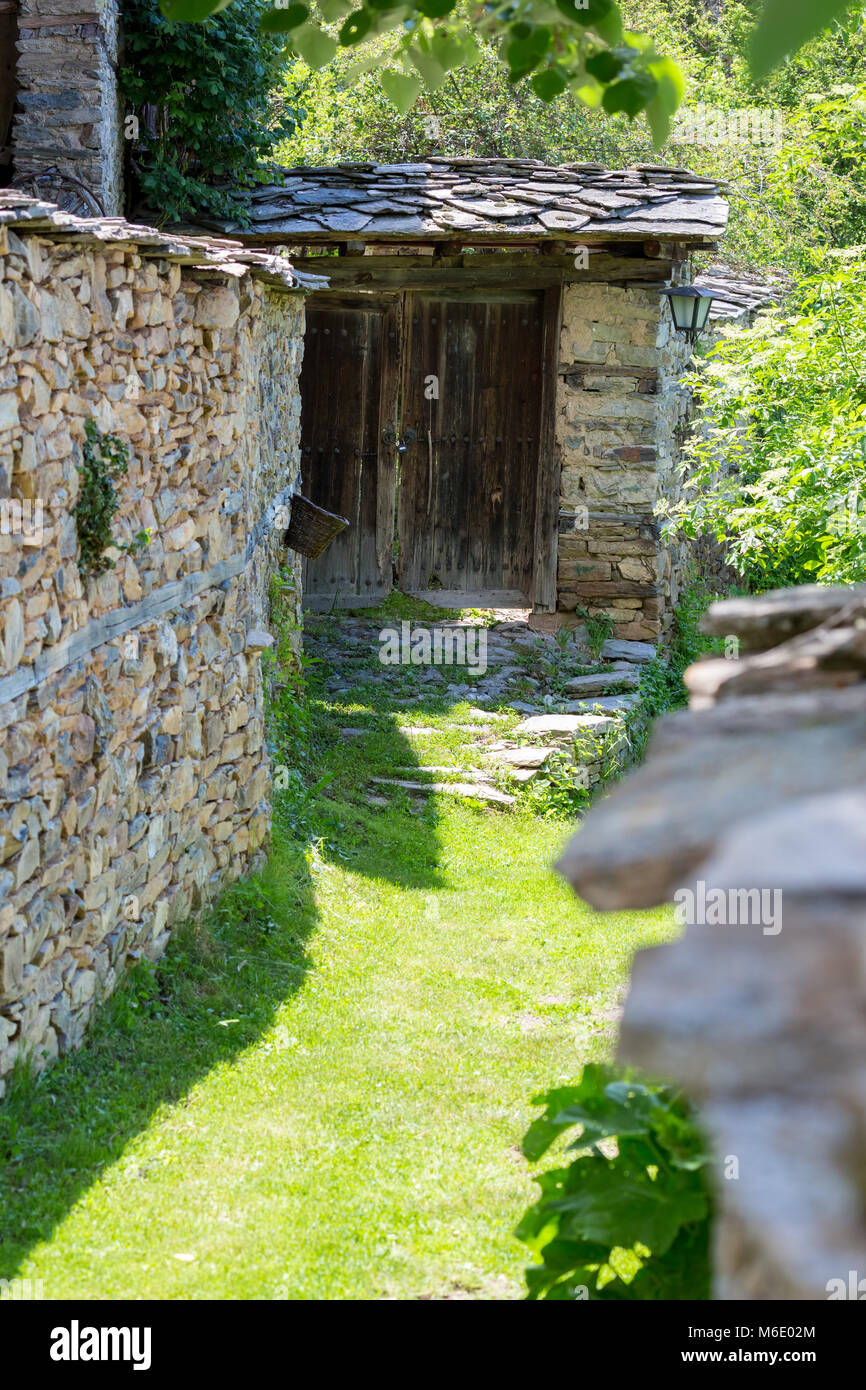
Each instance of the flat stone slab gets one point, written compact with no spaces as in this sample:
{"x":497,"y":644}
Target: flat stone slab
{"x":524,"y":757}
{"x":611,"y":704}
{"x":475,"y":791}
{"x":598,"y":683}
{"x":468,"y":774}
{"x":564,"y":724}
{"x":640,"y":652}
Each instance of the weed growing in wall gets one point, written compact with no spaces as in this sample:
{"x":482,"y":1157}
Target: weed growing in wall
{"x":104,"y":459}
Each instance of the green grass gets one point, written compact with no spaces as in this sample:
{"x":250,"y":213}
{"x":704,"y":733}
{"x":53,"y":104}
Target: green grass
{"x":321,"y":1092}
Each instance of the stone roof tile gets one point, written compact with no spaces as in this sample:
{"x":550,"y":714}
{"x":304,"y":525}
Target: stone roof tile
{"x":494,"y":199}
{"x":27,"y":215}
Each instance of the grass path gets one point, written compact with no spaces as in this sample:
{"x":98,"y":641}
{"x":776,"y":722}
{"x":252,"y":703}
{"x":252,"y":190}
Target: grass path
{"x":323,"y":1094}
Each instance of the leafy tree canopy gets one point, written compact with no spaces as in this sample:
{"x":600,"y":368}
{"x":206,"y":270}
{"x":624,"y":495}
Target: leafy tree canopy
{"x":577,"y":46}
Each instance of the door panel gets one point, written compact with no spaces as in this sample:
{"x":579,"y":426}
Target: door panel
{"x":467,"y":499}
{"x":348,"y":399}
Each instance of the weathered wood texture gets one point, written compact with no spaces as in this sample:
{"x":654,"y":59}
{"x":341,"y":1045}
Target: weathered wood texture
{"x":466,"y":513}
{"x":613,"y":264}
{"x":348,"y":386}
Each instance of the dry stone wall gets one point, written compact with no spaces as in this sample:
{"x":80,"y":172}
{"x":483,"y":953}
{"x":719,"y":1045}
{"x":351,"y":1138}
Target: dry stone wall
{"x":133,"y":769}
{"x":749,"y":813}
{"x":68,"y":106}
{"x":620,"y":413}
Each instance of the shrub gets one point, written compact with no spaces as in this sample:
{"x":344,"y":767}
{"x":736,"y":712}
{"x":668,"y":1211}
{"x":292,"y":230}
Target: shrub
{"x":778,"y":470}
{"x":202,"y":95}
{"x":629,"y":1217}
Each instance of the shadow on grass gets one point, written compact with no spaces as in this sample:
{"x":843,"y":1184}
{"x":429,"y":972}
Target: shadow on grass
{"x":219,"y":986}
{"x":215,"y":992}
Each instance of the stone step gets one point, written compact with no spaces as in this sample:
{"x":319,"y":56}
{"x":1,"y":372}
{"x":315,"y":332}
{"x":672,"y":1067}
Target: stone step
{"x":471,"y":790}
{"x":601,"y":682}
{"x":640,"y":652}
{"x":469,"y":774}
{"x":522,"y":757}
{"x":610,"y":704}
{"x":565,"y":726}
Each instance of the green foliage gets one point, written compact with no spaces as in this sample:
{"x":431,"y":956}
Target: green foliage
{"x":558,"y":792}
{"x":202,"y":95}
{"x":661,"y":683}
{"x":777,"y":473}
{"x":104,"y":459}
{"x":808,"y":190}
{"x":629,"y":1217}
{"x":415,"y":47}
{"x":786,"y":25}
{"x":599,"y":627}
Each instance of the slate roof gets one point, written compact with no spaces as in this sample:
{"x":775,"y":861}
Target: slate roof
{"x":28,"y":215}
{"x":738,"y":295}
{"x":483,"y":200}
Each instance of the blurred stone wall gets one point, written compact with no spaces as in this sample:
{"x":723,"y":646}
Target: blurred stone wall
{"x":749,"y":813}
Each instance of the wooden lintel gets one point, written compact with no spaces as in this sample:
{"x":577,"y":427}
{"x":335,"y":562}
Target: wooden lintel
{"x":469,"y":272}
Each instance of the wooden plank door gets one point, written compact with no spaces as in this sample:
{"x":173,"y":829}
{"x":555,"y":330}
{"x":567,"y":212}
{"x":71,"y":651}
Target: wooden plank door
{"x":474,"y":394}
{"x":349,"y":383}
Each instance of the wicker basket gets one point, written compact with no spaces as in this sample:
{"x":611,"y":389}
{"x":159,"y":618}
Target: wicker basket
{"x":311,"y":528}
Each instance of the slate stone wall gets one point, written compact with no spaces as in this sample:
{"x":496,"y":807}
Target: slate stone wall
{"x":133,"y":769}
{"x":68,"y":107}
{"x":621,"y":413}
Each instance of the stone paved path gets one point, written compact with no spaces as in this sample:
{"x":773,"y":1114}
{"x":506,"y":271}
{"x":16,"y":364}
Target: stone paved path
{"x":560,"y":689}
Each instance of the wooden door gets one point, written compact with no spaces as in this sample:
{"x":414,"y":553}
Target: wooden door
{"x":474,"y":395}
{"x":349,"y":384}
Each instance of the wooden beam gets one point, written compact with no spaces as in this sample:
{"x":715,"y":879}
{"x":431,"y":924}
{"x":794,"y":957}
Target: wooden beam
{"x":545,"y":544}
{"x":469,"y":272}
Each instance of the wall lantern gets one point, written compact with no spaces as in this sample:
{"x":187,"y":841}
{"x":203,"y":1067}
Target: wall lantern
{"x":690,"y":309}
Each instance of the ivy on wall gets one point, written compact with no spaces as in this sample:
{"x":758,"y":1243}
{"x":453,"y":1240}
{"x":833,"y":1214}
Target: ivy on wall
{"x":201,"y":95}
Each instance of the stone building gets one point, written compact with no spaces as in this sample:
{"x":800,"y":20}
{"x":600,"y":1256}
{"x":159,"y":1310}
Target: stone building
{"x":493,"y":363}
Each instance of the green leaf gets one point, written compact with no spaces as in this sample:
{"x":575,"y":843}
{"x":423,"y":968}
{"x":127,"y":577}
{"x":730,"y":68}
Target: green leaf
{"x":332,"y":10}
{"x":454,"y":52}
{"x":401,"y":89}
{"x":671,"y":83}
{"x":659,"y":121}
{"x":618,"y":1204}
{"x":315,"y":46}
{"x":548,"y":84}
{"x":604,"y":65}
{"x":435,"y":9}
{"x":356,"y":27}
{"x":432,"y":73}
{"x":609,"y":27}
{"x":280,"y":21}
{"x":630,"y":95}
{"x":785,"y":25}
{"x":588,"y":14}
